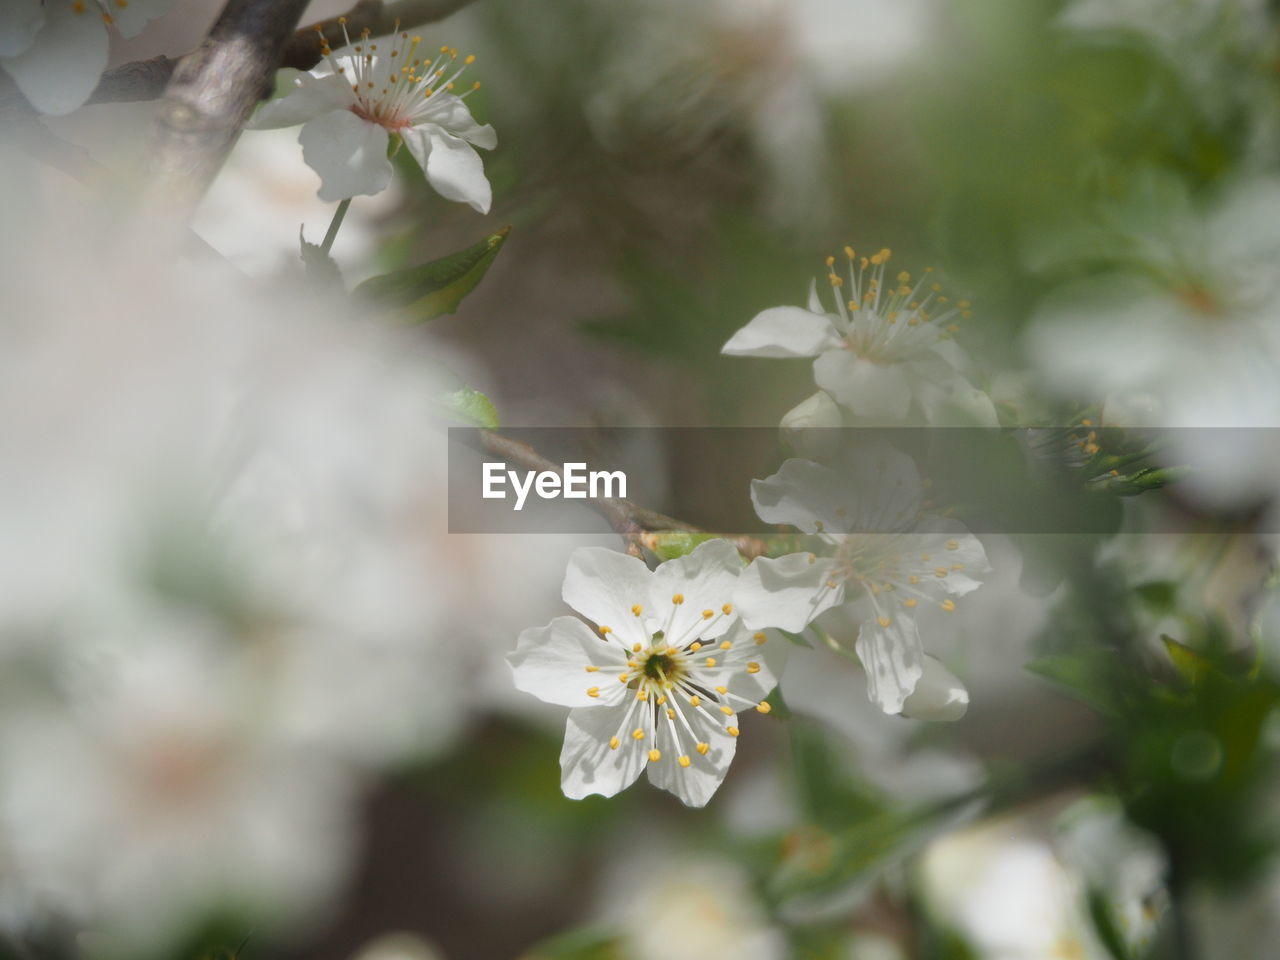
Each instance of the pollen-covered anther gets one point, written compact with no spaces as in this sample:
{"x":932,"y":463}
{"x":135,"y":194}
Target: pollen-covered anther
{"x":884,"y":621}
{"x":708,"y":614}
{"x":727,"y":609}
{"x":760,"y":638}
{"x":753,"y":667}
{"x":593,"y":691}
{"x":732,"y":731}
{"x":695,"y":647}
{"x":695,"y":701}
{"x":591,"y":668}
{"x":702,"y":748}
{"x":613,"y":743}
{"x":636,"y":647}
{"x":605,"y":631}
{"x":655,"y":756}
{"x":726,"y":710}
{"x":948,"y":605}
{"x":678,"y":599}
{"x":726,"y":644}
{"x":685,"y":761}
{"x":637,"y":734}
{"x":940,"y":572}
{"x":722,"y":690}
{"x":763,"y":707}
{"x":637,"y":610}
{"x":711,"y":661}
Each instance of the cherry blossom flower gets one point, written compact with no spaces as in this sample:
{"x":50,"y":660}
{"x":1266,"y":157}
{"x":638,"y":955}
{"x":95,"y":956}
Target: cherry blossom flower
{"x":883,"y":557}
{"x":659,"y":681}
{"x":56,"y":50}
{"x":362,"y":95}
{"x":885,"y":352}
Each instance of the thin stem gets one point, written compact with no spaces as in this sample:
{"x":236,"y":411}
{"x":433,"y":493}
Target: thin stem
{"x":327,"y":244}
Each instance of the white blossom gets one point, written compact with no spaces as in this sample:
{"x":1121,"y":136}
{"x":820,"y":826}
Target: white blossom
{"x":881,"y":555}
{"x":56,"y":50}
{"x":360,"y":96}
{"x":885,"y":351}
{"x":658,"y":683}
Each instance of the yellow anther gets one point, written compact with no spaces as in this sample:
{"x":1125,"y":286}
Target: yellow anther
{"x":695,"y":701}
{"x":848,"y":252}
{"x":725,"y":645}
{"x":476,"y":85}
{"x":605,"y":630}
{"x":593,"y":691}
{"x":703,"y":748}
{"x":836,"y":281}
{"x":662,"y":699}
{"x":731,"y":731}
{"x":727,"y":609}
{"x":831,"y":261}
{"x":678,"y":599}
{"x":471,"y":58}
{"x":711,"y":661}
{"x":1086,"y":422}
{"x":685,"y":761}
{"x":763,"y":707}
{"x":671,"y":651}
{"x":753,"y":667}
{"x":671,"y":714}
{"x":884,"y":621}
{"x":940,"y":572}
{"x":948,"y":605}
{"x":637,"y":610}
{"x":633,"y":664}
{"x":624,"y":677}
{"x":637,"y":734}
{"x":853,"y":304}
{"x":904,"y":277}
{"x":636,"y":648}
{"x":708,"y":614}
{"x":613,"y":743}
{"x":913,"y":579}
{"x":760,"y":638}
{"x":722,"y":690}
{"x":655,"y":756}
{"x":910,"y":603}
{"x":444,"y":49}
{"x":726,"y":710}
{"x":592,"y":669}
{"x":695,"y":647}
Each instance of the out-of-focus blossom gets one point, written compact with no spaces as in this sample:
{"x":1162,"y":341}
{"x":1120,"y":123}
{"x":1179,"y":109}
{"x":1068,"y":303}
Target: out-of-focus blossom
{"x":763,"y":68}
{"x":398,"y":946}
{"x":885,"y":352}
{"x":882,"y":557}
{"x":220,"y":615}
{"x":699,"y":908}
{"x":353,"y":103}
{"x":659,"y":682}
{"x":56,"y":50}
{"x":1187,"y":336}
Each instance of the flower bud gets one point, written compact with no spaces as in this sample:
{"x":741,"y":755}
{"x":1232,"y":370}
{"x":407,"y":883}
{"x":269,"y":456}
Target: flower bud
{"x":938,"y":696}
{"x":809,"y":428}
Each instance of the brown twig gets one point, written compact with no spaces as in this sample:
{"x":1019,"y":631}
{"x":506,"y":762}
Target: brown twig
{"x":146,"y":79}
{"x":633,"y":522}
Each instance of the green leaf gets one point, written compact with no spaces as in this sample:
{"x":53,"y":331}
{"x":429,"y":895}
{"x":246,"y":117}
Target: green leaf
{"x":433,"y":289}
{"x":585,"y":944}
{"x":1192,"y":664}
{"x":472,"y":407}
{"x":670,"y":544}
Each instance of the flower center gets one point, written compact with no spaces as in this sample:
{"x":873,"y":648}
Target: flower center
{"x":659,"y":666}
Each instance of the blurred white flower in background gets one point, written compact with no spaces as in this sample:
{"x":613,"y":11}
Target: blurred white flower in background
{"x":882,"y":556}
{"x":1186,"y":336}
{"x":658,"y":683}
{"x":764,"y":67}
{"x":56,"y":50}
{"x":885,"y":352}
{"x":357,"y":99}
{"x":220,"y":606}
{"x":668,"y":906}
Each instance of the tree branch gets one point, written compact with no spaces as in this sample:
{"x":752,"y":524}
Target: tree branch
{"x":210,"y":96}
{"x":629,"y":520}
{"x":146,"y":79}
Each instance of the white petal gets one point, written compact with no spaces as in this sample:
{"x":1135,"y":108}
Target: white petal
{"x":451,"y":113}
{"x":892,"y":657}
{"x":696,"y":783}
{"x":956,"y":403}
{"x":869,"y":390}
{"x":452,"y":167}
{"x":587,"y":764}
{"x":769,"y":657}
{"x":787,"y":592}
{"x":550,"y":662}
{"x":806,"y":495}
{"x":939,"y":695}
{"x":815,"y":302}
{"x":130,"y":18}
{"x":308,"y":98}
{"x":18,"y":27}
{"x":603,"y":585}
{"x":707,"y":578}
{"x":63,"y":64}
{"x":349,"y":154}
{"x":968,"y":554}
{"x":884,"y":489}
{"x":783,"y":332}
